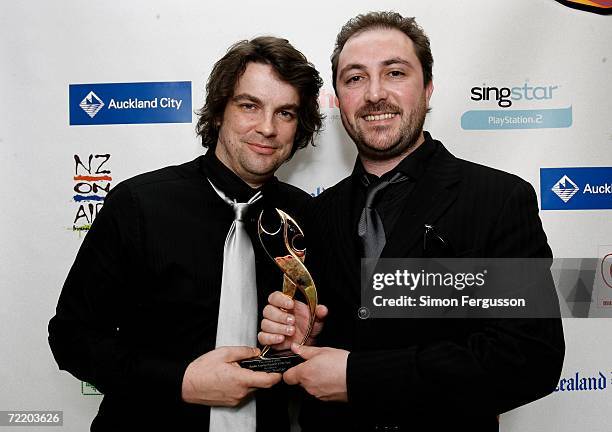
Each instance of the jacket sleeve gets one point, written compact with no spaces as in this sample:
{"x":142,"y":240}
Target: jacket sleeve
{"x":87,"y":335}
{"x":501,"y":364}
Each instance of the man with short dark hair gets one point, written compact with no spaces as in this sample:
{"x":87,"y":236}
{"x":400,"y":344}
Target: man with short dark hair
{"x":411,"y":374}
{"x":161,"y":301}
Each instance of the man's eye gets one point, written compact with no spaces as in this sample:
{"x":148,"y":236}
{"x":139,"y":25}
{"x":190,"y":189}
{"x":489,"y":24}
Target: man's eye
{"x":354,"y":79}
{"x":287,"y":115}
{"x":396,"y":73}
{"x":247,"y":106}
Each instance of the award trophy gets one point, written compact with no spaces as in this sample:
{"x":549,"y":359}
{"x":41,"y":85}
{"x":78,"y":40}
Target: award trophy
{"x":281,"y":246}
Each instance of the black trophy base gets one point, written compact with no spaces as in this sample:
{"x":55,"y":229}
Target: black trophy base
{"x":277,"y":362}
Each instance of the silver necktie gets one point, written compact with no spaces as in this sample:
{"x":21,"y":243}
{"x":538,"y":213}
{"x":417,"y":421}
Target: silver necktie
{"x":237,"y":322}
{"x":370,"y":229}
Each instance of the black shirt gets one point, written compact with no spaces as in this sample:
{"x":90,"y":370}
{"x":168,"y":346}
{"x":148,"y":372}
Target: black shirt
{"x":141,"y":299}
{"x":413,"y":166}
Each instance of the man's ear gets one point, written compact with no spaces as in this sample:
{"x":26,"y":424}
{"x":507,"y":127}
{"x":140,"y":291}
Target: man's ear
{"x":429,"y":88}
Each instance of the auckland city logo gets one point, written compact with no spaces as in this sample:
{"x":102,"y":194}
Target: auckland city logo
{"x":588,"y":188}
{"x":130,"y":103}
{"x":91,"y":104}
{"x":565,"y":188}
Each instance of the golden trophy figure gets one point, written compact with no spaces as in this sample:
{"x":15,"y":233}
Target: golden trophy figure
{"x":281,"y":245}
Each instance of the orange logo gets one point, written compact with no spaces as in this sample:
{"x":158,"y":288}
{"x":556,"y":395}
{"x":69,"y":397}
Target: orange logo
{"x":603,"y":7}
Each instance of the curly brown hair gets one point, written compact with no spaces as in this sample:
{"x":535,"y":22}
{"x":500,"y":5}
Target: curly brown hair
{"x":291,"y":67}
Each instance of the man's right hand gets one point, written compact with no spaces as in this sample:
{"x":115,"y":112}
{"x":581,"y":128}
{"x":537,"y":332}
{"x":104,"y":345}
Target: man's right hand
{"x":216,"y":379}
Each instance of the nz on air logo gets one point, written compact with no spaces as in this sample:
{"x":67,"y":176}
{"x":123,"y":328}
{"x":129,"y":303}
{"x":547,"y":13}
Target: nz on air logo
{"x":576,"y":188}
{"x":130,"y":103}
{"x":91,"y":104}
{"x":565,"y":188}
{"x":92,"y":182}
{"x":533,"y":111}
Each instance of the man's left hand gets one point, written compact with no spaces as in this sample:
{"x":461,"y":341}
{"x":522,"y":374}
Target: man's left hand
{"x":286,"y":321}
{"x":323,"y":374}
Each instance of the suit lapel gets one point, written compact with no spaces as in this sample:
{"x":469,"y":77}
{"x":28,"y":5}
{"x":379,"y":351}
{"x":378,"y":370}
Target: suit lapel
{"x":343,"y":222}
{"x":433,"y":195}
{"x":346,"y":250}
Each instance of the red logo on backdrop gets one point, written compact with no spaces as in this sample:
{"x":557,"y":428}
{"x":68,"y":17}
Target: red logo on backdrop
{"x":606,"y":270}
{"x":603,"y":7}
{"x":328,"y":99}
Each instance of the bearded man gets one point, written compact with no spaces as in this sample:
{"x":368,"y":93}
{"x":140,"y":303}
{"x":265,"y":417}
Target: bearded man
{"x":409,"y":197}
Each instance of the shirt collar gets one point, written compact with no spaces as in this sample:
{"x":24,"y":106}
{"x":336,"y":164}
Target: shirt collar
{"x":413,"y":165}
{"x":229,"y":182}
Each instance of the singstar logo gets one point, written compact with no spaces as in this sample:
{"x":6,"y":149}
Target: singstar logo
{"x":91,"y":104}
{"x":506,"y":95}
{"x":565,"y":188}
{"x":526,"y":106}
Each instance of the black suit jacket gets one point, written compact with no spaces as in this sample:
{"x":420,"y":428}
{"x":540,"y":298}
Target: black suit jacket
{"x":432,"y":373}
{"x":142,"y":298}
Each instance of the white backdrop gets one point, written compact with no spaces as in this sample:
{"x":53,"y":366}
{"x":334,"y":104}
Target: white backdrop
{"x":45,"y":46}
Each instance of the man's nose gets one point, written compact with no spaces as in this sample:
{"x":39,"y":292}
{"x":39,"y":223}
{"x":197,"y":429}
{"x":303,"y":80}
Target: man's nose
{"x":267,"y":125}
{"x":375,"y":91}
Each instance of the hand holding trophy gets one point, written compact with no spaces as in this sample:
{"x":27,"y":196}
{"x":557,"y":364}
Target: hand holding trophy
{"x":282,"y":245}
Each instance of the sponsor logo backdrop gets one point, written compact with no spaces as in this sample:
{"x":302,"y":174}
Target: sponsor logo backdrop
{"x":93,"y":95}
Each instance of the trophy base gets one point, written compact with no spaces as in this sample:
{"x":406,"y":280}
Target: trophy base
{"x":277,"y":362}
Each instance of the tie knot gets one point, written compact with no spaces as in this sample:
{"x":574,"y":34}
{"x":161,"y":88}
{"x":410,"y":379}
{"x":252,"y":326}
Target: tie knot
{"x":375,"y":188}
{"x":240,"y":210}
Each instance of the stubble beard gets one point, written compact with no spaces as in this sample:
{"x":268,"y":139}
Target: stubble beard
{"x":384,"y":145}
{"x":249,"y":167}
{"x":258,"y":166}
